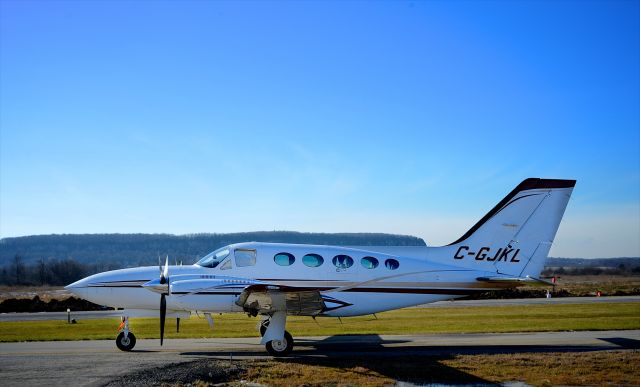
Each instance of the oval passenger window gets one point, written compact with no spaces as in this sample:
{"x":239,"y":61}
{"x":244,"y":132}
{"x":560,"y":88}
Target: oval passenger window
{"x":312,"y":260}
{"x":342,"y":261}
{"x":369,"y":262}
{"x":391,"y":264}
{"x":284,"y":259}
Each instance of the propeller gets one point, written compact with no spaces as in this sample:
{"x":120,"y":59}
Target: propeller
{"x":163,"y":314}
{"x":164,"y":279}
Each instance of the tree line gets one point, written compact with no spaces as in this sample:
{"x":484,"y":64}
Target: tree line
{"x":54,"y":272}
{"x":62,"y":259}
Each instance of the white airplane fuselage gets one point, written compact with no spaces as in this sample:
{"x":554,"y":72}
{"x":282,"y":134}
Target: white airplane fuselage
{"x":415,"y":281}
{"x":505,"y":249}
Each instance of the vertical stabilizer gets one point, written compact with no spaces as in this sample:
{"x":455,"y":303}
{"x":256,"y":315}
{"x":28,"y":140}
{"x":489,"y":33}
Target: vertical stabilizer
{"x":516,"y":235}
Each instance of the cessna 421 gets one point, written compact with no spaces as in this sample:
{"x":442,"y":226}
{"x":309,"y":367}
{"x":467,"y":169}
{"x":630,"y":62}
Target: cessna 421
{"x":505,"y":249}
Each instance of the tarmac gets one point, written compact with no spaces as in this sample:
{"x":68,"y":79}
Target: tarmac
{"x":98,"y":362}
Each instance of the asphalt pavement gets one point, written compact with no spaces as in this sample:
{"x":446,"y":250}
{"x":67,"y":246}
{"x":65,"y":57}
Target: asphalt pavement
{"x":99,"y":361}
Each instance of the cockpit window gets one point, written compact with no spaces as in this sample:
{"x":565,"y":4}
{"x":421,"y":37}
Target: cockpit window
{"x":226,"y":265}
{"x":213,"y":259}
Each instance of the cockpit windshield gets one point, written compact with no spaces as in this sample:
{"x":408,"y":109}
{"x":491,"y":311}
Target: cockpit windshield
{"x":213,"y":259}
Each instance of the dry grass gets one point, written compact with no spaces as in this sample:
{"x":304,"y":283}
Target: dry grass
{"x":314,"y":373}
{"x":578,"y":368}
{"x":590,"y":284}
{"x":539,"y":369}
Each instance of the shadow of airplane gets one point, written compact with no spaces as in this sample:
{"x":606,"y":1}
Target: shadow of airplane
{"x":334,"y":352}
{"x":374,"y":345}
{"x":411,"y":363}
{"x":623,"y":342}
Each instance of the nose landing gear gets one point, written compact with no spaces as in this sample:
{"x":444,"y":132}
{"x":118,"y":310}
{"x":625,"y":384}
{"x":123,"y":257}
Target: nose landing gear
{"x":126,"y":340}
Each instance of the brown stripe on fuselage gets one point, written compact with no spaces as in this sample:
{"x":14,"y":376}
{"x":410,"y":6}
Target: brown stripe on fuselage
{"x":324,"y":284}
{"x":453,"y":292}
{"x":456,"y":292}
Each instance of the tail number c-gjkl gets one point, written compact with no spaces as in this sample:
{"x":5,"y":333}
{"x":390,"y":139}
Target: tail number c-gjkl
{"x":507,"y":254}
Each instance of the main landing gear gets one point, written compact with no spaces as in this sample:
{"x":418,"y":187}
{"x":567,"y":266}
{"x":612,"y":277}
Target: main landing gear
{"x":282,"y":347}
{"x":276,"y":347}
{"x":126,"y":340}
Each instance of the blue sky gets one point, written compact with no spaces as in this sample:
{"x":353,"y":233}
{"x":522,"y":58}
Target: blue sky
{"x":400,"y":117}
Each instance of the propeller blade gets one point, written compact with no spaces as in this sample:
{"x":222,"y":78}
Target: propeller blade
{"x":166,"y":267}
{"x":164,"y":272}
{"x":163,"y":314}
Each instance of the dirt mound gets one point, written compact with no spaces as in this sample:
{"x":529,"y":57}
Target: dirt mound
{"x":35,"y":304}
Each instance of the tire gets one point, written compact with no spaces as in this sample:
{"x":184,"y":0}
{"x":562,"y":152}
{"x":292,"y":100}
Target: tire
{"x":125,"y":343}
{"x":279,"y":348}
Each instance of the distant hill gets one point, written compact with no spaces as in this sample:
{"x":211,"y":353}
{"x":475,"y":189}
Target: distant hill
{"x":126,"y":250}
{"x":105,"y":251}
{"x":62,"y":259}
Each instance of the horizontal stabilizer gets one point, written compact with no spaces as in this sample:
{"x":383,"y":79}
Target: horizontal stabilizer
{"x":516,"y":281}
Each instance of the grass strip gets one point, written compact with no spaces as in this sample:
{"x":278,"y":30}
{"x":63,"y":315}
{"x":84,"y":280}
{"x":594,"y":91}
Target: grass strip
{"x":527,"y":318}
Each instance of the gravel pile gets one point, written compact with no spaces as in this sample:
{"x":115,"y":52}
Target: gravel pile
{"x":188,"y":373}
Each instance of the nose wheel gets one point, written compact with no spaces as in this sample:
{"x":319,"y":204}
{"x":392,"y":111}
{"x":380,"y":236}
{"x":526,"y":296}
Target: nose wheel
{"x":125,"y":343}
{"x":126,"y":340}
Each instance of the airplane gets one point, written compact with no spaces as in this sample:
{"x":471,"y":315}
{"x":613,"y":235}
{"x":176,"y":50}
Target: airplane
{"x":507,"y":248}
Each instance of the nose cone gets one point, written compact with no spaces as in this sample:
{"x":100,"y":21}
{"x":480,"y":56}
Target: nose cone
{"x":79,"y":288}
{"x":78,"y":284}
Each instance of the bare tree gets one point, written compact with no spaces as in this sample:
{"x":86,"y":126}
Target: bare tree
{"x":42,"y":271}
{"x":17,"y":261}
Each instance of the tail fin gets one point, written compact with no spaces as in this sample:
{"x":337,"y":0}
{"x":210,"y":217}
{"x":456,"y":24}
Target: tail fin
{"x":516,"y":235}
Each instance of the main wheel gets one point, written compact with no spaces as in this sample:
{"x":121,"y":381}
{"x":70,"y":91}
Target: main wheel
{"x":280,"y":347}
{"x":126,"y":343}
